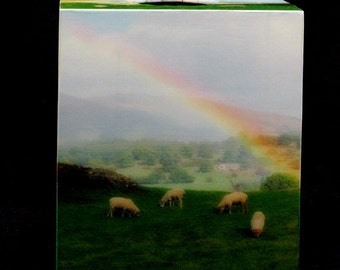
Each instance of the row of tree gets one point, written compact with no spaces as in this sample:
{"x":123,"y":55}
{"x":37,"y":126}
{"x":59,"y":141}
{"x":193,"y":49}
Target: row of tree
{"x":169,"y":157}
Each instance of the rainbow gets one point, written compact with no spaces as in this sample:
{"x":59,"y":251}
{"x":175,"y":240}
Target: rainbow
{"x":225,"y":116}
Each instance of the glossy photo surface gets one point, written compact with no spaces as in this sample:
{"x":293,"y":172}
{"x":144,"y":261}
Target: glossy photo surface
{"x":205,"y":103}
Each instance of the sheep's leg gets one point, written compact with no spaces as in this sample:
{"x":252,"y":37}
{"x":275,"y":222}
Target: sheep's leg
{"x":243,"y":208}
{"x":127,"y":211}
{"x":180,"y":202}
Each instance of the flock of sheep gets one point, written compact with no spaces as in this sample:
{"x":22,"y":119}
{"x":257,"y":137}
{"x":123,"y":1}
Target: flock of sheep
{"x":172,"y":197}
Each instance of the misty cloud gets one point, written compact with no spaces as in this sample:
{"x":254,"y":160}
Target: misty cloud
{"x":248,"y":59}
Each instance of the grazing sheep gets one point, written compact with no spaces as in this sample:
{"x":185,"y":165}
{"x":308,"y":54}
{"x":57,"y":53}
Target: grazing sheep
{"x":234,"y":198}
{"x":171,"y":196}
{"x":257,"y":223}
{"x":123,"y":205}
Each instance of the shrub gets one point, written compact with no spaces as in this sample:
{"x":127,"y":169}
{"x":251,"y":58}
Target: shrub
{"x":280,"y":181}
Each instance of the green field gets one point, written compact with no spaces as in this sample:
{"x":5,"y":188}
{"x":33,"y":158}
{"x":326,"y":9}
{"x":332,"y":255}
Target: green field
{"x":202,"y":181}
{"x":192,"y":237}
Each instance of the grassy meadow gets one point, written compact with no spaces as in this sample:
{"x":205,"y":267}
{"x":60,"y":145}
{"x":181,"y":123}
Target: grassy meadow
{"x":192,"y":237}
{"x":213,"y":180}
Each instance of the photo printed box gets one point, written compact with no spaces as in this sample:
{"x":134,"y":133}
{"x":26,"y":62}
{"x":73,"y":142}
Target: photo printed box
{"x":202,"y":98}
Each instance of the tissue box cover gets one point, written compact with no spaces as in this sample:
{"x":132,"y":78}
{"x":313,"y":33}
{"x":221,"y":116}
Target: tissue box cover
{"x":200,"y":95}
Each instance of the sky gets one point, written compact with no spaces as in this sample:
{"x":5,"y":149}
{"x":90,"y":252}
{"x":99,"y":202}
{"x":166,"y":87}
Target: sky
{"x":248,"y":59}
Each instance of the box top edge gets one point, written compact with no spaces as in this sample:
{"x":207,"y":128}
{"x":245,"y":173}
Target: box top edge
{"x":179,"y":4}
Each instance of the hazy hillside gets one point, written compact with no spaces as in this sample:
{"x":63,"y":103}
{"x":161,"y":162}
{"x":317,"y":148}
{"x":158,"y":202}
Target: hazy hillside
{"x":129,"y":117}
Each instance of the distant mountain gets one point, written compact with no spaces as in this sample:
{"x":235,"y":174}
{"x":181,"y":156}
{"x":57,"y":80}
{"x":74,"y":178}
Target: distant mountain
{"x":136,"y":117}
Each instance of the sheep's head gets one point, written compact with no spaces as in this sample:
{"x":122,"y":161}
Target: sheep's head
{"x":219,"y":210}
{"x":161,"y":203}
{"x":256,"y":232}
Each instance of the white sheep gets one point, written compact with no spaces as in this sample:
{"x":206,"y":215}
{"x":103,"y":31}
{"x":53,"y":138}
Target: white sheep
{"x":124,"y":205}
{"x":234,"y":198}
{"x":171,"y":196}
{"x":257,"y":223}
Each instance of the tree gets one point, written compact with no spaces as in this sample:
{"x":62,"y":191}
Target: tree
{"x":187,"y":151}
{"x":179,"y":175}
{"x":280,"y":181}
{"x":206,"y":165}
{"x":150,"y":159}
{"x":245,"y":158}
{"x":231,"y":152}
{"x":126,"y":160}
{"x":169,"y":159}
{"x":155,"y":177}
{"x":96,"y":162}
{"x":205,"y":150}
{"x":145,"y":154}
{"x":287,"y":139}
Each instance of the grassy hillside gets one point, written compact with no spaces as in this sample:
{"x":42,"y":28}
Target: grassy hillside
{"x":194,"y":237}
